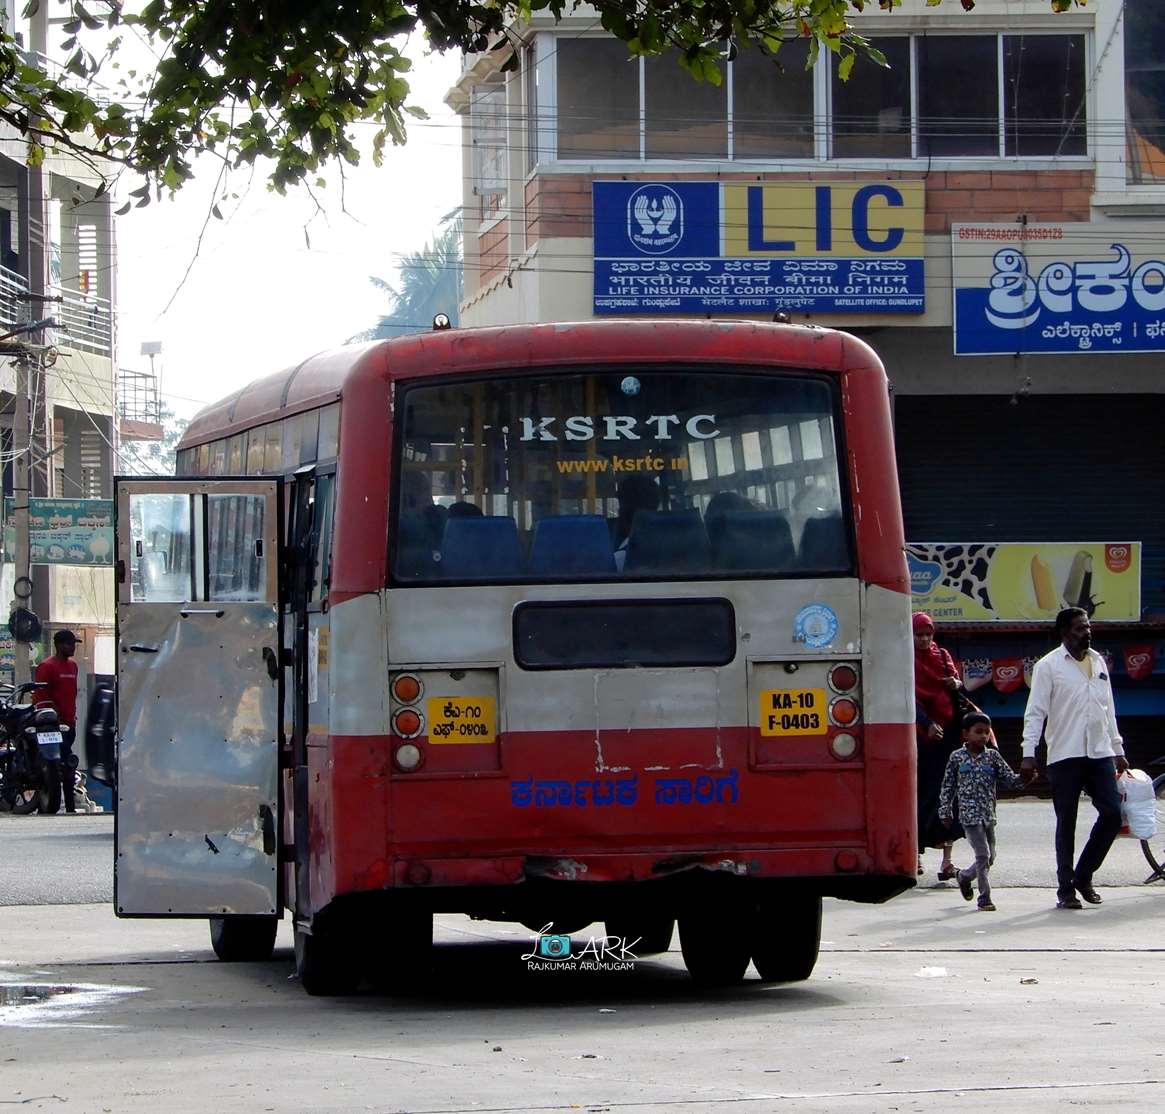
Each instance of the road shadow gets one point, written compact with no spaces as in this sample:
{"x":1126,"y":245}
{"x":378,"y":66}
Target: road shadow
{"x":484,"y":976}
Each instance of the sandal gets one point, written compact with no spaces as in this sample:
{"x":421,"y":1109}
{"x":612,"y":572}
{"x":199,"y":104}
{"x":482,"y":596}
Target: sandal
{"x":948,"y":872}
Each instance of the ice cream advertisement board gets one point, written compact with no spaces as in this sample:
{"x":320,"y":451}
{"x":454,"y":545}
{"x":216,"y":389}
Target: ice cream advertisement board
{"x":976,"y":582}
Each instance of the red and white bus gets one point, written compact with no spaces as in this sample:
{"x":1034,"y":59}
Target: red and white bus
{"x":556,"y":624}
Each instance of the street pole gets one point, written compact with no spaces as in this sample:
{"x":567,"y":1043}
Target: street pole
{"x":22,"y":452}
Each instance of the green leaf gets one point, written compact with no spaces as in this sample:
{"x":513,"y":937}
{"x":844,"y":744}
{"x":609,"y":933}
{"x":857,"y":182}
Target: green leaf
{"x":845,"y":66}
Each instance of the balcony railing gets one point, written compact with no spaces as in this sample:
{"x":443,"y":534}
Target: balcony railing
{"x":13,"y":307}
{"x":84,"y":321}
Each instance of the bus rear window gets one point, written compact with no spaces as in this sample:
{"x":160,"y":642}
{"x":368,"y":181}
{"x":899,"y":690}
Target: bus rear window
{"x":634,"y":474}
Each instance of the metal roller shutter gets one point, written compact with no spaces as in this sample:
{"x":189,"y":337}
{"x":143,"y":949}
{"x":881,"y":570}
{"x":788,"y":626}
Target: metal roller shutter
{"x":1048,"y":468}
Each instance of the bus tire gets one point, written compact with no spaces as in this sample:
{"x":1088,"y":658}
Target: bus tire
{"x":402,"y":954}
{"x":243,"y":939}
{"x":653,"y":932}
{"x":716,"y":951}
{"x":325,"y":964}
{"x":786,"y":938}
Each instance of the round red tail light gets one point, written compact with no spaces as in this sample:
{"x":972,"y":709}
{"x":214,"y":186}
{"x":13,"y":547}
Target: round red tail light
{"x":842,"y":678}
{"x":407,"y":723}
{"x":407,"y":688}
{"x":843,"y":711}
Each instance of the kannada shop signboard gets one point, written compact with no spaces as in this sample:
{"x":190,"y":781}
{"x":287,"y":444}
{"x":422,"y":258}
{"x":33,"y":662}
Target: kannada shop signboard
{"x":975,"y":582}
{"x":741,"y":247}
{"x":1056,"y":288}
{"x":65,"y":531}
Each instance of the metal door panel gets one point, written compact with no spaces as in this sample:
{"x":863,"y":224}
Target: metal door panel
{"x":199,"y":719}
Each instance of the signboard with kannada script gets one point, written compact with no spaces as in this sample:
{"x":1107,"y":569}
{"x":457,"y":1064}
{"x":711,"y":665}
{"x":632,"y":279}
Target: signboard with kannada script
{"x":1056,"y":288}
{"x":64,"y":531}
{"x":743,"y":247}
{"x":976,"y":582}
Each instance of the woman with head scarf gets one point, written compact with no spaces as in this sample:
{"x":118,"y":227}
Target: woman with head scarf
{"x":936,"y":681}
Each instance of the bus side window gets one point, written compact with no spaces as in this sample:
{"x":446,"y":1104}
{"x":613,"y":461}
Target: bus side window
{"x":321,"y":537}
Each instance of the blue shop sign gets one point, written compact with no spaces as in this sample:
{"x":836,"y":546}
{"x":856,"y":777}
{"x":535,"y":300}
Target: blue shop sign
{"x":1048,"y":288}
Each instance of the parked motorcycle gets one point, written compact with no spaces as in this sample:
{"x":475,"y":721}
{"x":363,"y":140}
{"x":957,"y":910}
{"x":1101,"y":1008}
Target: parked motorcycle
{"x":30,"y":751}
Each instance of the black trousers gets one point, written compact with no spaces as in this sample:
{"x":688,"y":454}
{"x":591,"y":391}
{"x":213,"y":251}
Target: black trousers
{"x":1097,"y":777}
{"x":62,"y":775}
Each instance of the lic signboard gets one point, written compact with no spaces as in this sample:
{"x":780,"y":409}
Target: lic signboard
{"x":744,"y":247}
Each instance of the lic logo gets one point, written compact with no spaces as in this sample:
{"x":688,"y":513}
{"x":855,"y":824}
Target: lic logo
{"x":655,"y":219}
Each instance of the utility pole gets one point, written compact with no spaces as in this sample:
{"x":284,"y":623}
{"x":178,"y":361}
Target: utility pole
{"x":29,"y":361}
{"x":21,"y":490}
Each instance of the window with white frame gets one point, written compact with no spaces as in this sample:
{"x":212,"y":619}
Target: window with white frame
{"x":598,"y":99}
{"x":683,"y":118}
{"x":989,"y":95}
{"x":487,"y":115}
{"x":530,"y":100}
{"x":958,"y":95}
{"x":871,"y":111}
{"x":1145,"y":90}
{"x":772,"y":104}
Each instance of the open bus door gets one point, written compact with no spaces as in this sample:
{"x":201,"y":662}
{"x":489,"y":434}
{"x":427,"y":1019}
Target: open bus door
{"x":200,"y":705}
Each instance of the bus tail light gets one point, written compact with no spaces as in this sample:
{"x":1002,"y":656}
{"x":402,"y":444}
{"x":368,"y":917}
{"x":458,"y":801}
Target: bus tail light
{"x":407,"y":688}
{"x":843,"y":678}
{"x":407,"y":757}
{"x":844,"y":711}
{"x":844,"y":746}
{"x":407,"y":723}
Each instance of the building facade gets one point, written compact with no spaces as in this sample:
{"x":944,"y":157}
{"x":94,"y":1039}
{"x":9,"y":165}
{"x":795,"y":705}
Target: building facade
{"x":57,"y":260}
{"x":986,"y":211}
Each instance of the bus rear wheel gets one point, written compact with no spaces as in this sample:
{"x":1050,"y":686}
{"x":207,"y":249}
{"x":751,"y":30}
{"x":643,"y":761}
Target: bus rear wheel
{"x":786,"y":938}
{"x":243,"y":939}
{"x":326,"y":964}
{"x":644,"y":935}
{"x":716,"y":951}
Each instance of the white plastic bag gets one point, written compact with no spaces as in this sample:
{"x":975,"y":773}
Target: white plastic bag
{"x":1138,"y":805}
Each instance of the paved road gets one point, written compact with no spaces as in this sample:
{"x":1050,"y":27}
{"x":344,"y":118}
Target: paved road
{"x":69,"y":859}
{"x":920,"y":1005}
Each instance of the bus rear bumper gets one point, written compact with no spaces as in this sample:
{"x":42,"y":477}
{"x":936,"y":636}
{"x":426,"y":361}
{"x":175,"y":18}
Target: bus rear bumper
{"x":844,"y":872}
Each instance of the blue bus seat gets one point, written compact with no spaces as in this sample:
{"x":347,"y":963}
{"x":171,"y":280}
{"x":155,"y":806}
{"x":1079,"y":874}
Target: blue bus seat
{"x":571,"y":544}
{"x":824,"y":547}
{"x":667,"y":542}
{"x":480,"y":548}
{"x":413,"y":549}
{"x":758,"y":540}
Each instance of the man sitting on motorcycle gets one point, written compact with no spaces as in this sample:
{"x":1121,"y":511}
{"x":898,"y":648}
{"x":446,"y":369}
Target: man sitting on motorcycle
{"x":60,"y":674}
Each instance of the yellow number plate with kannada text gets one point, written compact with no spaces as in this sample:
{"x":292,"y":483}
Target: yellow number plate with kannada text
{"x":793,"y":712}
{"x":463,"y":719}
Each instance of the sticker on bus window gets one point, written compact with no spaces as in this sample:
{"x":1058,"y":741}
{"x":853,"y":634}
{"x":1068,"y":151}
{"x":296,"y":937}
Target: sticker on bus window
{"x":793,"y":712}
{"x":463,"y":719}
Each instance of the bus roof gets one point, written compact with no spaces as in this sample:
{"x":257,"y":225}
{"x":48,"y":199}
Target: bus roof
{"x":321,"y":378}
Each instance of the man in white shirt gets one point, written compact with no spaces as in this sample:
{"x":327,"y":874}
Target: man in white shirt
{"x":1071,"y":704}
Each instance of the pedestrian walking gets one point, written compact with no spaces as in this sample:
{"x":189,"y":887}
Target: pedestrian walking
{"x":59,"y":673}
{"x":1071,"y":703}
{"x":936,"y":681}
{"x":972,"y":777}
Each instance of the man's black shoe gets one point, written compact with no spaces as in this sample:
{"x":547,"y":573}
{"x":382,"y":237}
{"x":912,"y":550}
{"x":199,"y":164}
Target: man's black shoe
{"x":1085,"y":890}
{"x":1069,"y":903}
